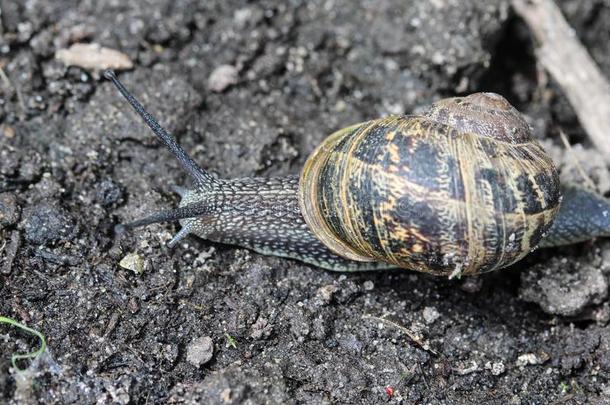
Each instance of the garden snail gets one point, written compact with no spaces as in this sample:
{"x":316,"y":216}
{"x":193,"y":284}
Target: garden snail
{"x":461,"y":189}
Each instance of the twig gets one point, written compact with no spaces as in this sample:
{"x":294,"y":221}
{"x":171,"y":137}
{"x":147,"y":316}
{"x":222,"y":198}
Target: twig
{"x":11,"y":252}
{"x":561,"y":53}
{"x":577,"y":164}
{"x":9,"y":85}
{"x":412,"y":335}
{"x":423,"y":376}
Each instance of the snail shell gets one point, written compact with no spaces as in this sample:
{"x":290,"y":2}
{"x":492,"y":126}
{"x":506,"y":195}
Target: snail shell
{"x":462,"y":188}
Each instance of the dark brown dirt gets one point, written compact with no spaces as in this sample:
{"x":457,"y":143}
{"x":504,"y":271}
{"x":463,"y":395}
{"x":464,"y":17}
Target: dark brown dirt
{"x":74,"y":162}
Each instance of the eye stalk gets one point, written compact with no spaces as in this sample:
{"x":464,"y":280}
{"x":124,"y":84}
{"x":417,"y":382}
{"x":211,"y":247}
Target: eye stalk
{"x":201,"y":177}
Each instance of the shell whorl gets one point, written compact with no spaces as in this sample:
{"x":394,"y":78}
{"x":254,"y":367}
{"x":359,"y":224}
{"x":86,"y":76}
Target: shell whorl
{"x":484,"y":114}
{"x":462,"y":187}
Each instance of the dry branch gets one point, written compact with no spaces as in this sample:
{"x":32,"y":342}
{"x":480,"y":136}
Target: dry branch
{"x":565,"y":58}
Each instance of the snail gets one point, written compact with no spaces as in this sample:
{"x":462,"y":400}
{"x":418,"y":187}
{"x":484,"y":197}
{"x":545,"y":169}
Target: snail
{"x":461,"y":189}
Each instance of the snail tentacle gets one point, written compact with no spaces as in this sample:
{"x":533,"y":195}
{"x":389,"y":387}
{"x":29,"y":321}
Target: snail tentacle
{"x":182,"y":233}
{"x":181,"y":191}
{"x":201,"y":176}
{"x":196,"y":209}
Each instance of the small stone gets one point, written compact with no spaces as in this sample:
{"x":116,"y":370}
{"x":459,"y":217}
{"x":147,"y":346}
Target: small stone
{"x":368,"y":285}
{"x":222,"y":77}
{"x":340,"y":106}
{"x":9,"y":162}
{"x":531,"y":359}
{"x":204,"y":255}
{"x":430,"y":315}
{"x":248,"y":16}
{"x":133,"y":262}
{"x":200,"y":351}
{"x":326,"y":292}
{"x":260,"y":329}
{"x":7,"y":131}
{"x":225,"y":395}
{"x":496,"y":368}
{"x":468,"y":369}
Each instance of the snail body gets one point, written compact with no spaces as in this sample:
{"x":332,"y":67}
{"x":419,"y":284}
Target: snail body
{"x":460,"y":189}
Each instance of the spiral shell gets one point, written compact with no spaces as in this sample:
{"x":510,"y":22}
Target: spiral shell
{"x":461,"y":189}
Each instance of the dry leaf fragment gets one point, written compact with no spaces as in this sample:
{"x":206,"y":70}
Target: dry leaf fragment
{"x":94,"y":57}
{"x":133,"y":262}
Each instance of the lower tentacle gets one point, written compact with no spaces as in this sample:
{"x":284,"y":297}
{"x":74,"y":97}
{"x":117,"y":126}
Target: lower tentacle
{"x":182,"y":233}
{"x":197,"y":209}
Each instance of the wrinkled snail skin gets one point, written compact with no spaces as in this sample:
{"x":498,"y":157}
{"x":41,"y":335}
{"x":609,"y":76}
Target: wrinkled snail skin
{"x":583,"y":215}
{"x":461,"y":189}
{"x":263,"y":214}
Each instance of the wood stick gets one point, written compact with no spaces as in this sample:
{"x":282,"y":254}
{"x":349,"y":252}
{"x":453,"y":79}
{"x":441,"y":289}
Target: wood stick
{"x":566,"y":59}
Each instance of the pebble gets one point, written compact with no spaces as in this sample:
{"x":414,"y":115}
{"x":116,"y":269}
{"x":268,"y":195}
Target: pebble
{"x":531,"y":359}
{"x":465,"y":370}
{"x":430,"y":315}
{"x":200,"y":351}
{"x":222,"y":78}
{"x":497,"y":368}
{"x":327,"y":292}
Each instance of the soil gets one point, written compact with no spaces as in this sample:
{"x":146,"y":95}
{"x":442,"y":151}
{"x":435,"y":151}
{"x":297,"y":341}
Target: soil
{"x":216,"y":324}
